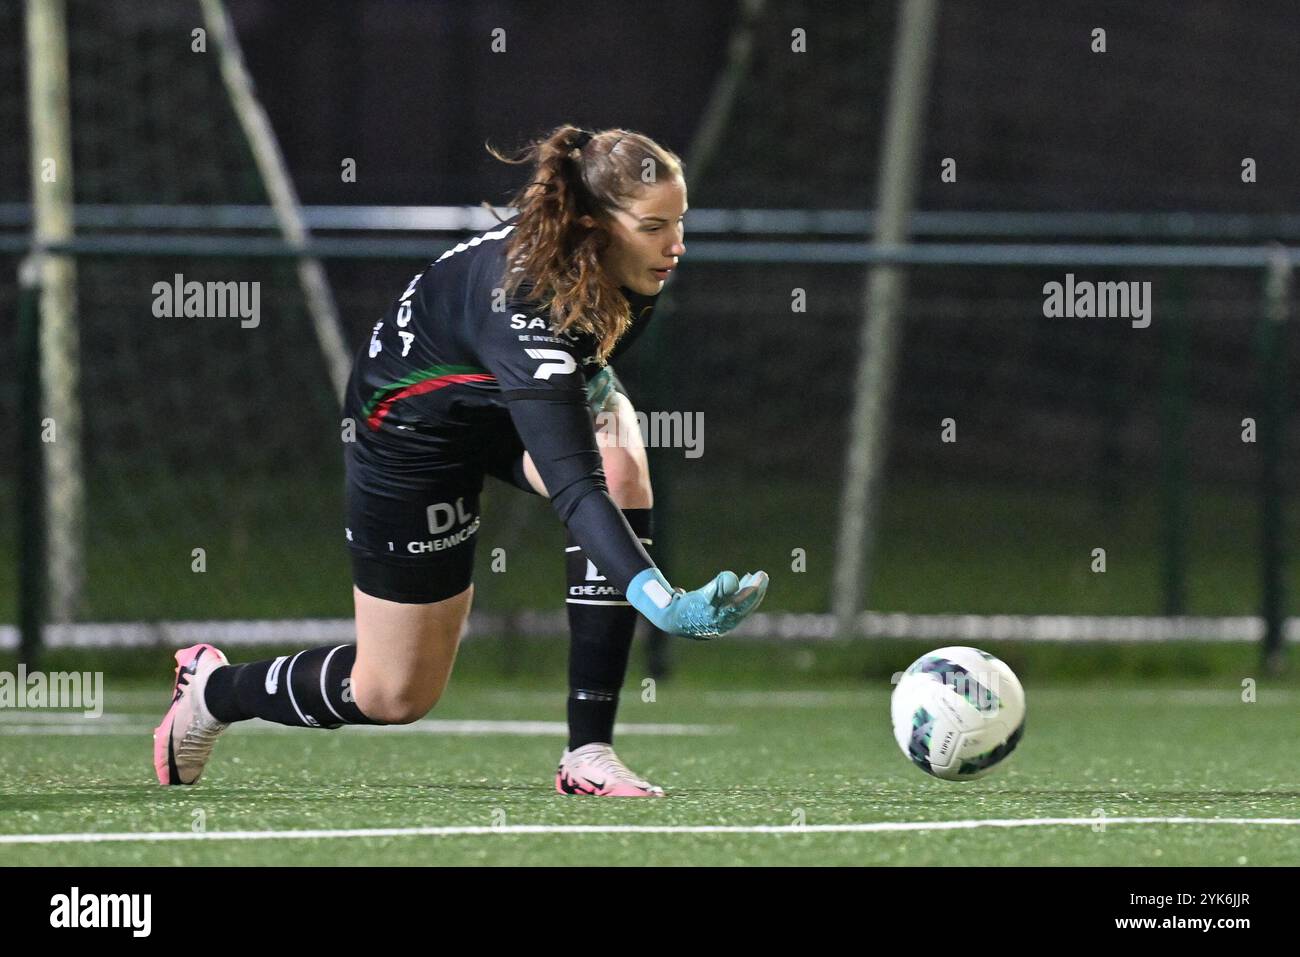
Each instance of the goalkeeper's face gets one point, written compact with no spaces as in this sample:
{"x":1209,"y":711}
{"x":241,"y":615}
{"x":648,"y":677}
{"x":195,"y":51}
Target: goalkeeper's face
{"x":646,"y":237}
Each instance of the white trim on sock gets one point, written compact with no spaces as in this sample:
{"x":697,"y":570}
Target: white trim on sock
{"x":324,"y":697}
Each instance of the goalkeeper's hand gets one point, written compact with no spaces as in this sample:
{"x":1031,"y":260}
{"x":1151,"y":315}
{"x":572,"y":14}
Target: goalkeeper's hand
{"x":705,"y":613}
{"x":601,"y":389}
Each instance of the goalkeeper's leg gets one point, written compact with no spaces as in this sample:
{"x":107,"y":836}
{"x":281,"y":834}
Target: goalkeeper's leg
{"x":394,"y":674}
{"x":601,"y":621}
{"x":410,"y":615}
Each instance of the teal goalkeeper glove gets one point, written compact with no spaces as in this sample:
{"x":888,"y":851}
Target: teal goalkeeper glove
{"x":601,"y":388}
{"x":707,"y":612}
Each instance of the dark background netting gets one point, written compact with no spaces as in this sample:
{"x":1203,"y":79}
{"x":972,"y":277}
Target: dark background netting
{"x":202,"y":434}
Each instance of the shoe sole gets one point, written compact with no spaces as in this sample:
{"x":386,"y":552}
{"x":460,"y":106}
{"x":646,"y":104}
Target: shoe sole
{"x":576,"y":788}
{"x":164,"y":758}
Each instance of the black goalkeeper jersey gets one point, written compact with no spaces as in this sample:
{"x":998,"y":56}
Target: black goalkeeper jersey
{"x":456,"y":372}
{"x":431,"y":386}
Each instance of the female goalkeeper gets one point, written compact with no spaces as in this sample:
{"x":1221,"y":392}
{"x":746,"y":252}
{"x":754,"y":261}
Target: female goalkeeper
{"x":493,"y":362}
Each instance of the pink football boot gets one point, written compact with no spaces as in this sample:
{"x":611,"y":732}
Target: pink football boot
{"x":595,"y":769}
{"x":184,"y":740}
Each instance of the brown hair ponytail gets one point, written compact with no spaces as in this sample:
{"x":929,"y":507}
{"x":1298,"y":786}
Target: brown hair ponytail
{"x":576,"y":174}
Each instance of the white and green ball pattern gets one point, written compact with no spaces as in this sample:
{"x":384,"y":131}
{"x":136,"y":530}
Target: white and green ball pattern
{"x":958,"y":712}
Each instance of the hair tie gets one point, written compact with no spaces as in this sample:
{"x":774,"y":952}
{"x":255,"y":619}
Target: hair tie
{"x":580,"y":139}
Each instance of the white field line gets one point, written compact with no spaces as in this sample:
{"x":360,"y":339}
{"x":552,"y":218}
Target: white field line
{"x":937,"y":628}
{"x":538,"y":829}
{"x":803,"y":697}
{"x":34,"y":716}
{"x":848,"y":698}
{"x":135,"y":698}
{"x":108,"y":724}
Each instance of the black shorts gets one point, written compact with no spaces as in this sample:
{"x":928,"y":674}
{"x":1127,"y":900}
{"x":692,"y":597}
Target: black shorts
{"x":412,"y":523}
{"x":412,"y":537}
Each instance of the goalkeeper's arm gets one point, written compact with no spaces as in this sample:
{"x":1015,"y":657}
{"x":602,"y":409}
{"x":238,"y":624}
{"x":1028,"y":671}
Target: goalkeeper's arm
{"x":555,"y":426}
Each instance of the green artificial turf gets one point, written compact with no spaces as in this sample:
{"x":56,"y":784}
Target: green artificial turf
{"x":772,"y":756}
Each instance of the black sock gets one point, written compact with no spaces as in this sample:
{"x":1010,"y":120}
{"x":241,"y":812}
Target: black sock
{"x":289,"y":690}
{"x":601,"y":624}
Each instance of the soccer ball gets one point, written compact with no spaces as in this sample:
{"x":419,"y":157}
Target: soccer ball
{"x":958,"y":713}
